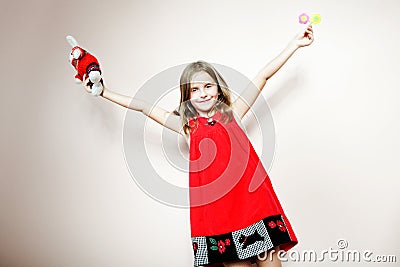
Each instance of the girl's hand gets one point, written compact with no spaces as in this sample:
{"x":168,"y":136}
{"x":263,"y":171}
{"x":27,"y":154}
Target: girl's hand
{"x":305,"y":37}
{"x":88,"y":84}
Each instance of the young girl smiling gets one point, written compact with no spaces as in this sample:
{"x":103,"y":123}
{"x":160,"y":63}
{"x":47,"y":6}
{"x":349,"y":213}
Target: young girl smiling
{"x":236,"y":217}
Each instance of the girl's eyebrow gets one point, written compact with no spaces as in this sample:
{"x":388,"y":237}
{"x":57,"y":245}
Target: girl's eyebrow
{"x":194,"y":86}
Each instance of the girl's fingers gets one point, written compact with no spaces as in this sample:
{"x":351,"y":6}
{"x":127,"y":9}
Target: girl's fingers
{"x":309,"y":31}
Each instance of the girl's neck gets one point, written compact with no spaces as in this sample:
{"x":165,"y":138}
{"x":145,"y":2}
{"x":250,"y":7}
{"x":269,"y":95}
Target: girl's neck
{"x":207,"y":114}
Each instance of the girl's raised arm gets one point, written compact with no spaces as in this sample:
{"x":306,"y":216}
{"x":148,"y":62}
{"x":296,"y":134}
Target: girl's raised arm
{"x":160,"y":115}
{"x":243,"y":103}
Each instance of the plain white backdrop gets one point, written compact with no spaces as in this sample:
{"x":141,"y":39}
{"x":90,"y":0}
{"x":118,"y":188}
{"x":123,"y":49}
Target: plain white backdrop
{"x":66,"y":195}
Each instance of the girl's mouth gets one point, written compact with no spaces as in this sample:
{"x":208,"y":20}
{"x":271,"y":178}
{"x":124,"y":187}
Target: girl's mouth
{"x":206,"y":100}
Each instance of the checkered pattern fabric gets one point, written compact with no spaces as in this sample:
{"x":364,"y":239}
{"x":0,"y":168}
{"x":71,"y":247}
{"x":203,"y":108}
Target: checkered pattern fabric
{"x":200,"y":254}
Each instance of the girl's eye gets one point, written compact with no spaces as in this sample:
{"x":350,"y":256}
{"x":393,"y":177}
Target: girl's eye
{"x":194,"y":89}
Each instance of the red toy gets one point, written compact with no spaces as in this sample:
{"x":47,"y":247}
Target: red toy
{"x":85,"y":63}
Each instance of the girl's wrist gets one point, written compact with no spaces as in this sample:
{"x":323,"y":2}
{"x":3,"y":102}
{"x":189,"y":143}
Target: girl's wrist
{"x":102,"y":92}
{"x":294,"y":45}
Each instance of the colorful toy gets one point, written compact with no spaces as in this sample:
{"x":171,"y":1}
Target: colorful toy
{"x":314,"y":19}
{"x":85,"y":63}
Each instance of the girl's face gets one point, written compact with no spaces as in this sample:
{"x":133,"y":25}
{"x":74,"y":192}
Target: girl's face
{"x":203,"y":92}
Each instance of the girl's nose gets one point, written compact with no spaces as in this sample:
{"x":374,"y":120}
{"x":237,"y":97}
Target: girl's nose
{"x":202,"y":93}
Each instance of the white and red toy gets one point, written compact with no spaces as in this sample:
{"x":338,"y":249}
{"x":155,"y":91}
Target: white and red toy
{"x":85,"y":63}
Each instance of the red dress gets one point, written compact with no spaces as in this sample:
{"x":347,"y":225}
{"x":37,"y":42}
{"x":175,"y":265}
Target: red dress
{"x":234,"y":211}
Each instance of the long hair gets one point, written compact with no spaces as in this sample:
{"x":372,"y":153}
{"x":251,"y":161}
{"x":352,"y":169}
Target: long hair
{"x":186,"y":109}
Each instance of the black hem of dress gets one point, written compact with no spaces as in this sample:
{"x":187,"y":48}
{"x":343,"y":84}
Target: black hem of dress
{"x":243,"y":244}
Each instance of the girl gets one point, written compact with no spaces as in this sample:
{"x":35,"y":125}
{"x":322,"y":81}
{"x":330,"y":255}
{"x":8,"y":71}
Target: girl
{"x":236,"y":218}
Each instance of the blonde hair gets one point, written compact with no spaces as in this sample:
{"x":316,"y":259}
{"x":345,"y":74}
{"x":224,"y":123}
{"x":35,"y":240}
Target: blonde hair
{"x":186,"y":109}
